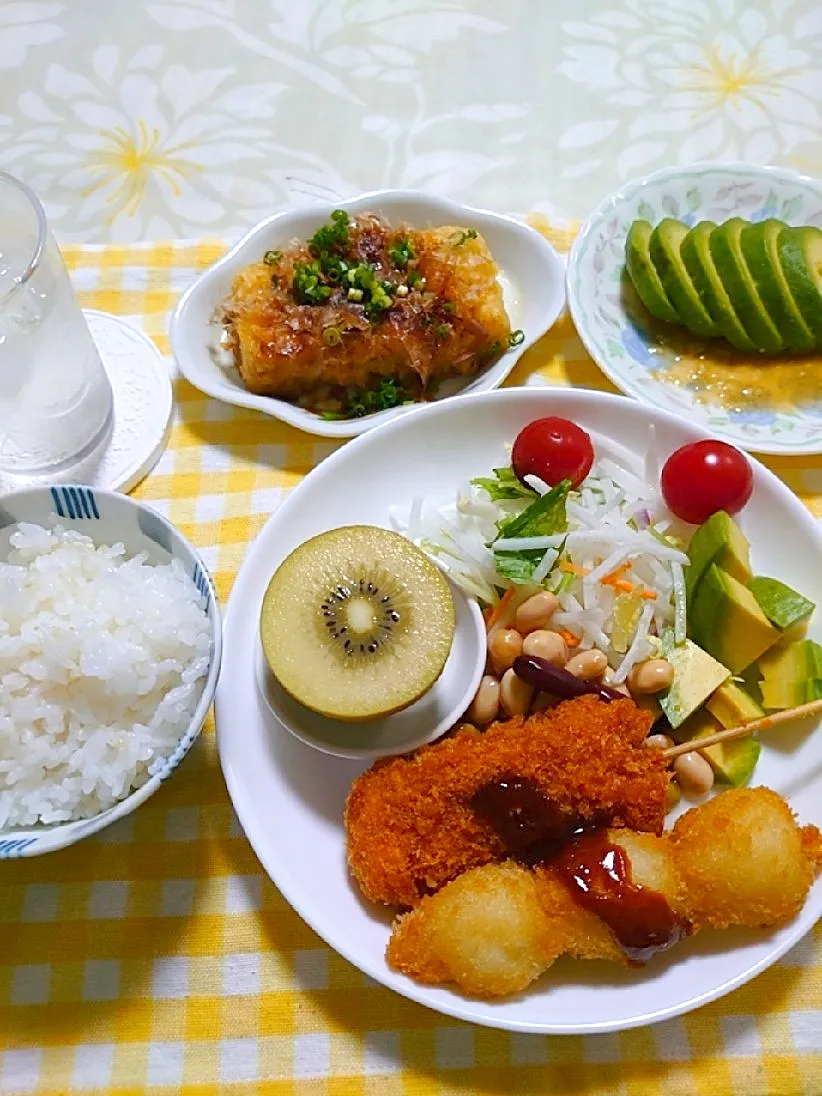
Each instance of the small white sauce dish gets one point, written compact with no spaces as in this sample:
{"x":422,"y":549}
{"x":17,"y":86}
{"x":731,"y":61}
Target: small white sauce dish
{"x":424,"y":721}
{"x":109,"y":518}
{"x":531,"y":274}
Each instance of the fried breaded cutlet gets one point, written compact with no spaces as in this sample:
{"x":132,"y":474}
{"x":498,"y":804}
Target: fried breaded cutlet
{"x":410,"y":823}
{"x":738,"y":859}
{"x":444,"y":315}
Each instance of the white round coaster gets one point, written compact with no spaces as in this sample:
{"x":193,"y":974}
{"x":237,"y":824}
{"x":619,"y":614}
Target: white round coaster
{"x":143,"y":401}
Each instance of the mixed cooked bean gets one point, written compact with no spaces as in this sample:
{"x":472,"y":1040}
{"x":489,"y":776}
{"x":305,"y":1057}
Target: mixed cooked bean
{"x":532,"y":666}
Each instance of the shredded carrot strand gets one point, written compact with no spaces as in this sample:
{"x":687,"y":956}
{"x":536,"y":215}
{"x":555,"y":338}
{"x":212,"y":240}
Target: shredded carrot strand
{"x":569,"y":637}
{"x":649,"y":595}
{"x":500,"y":608}
{"x":618,"y":572}
{"x":573,"y":568}
{"x":617,"y":583}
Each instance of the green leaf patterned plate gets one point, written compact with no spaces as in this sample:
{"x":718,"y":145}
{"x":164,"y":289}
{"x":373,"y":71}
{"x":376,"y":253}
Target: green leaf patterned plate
{"x":767,"y":405}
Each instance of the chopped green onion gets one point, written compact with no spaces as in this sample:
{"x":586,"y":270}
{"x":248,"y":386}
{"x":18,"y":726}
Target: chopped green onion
{"x":401,"y":252}
{"x":306,"y":286}
{"x":415,"y":279}
{"x":402,"y":291}
{"x":272,"y":257}
{"x":335,"y":273}
{"x":459,"y":238}
{"x":443,"y":330}
{"x":354,"y":294}
{"x":516,"y":338}
{"x":388,"y":393}
{"x":332,"y":336}
{"x":331,"y":237}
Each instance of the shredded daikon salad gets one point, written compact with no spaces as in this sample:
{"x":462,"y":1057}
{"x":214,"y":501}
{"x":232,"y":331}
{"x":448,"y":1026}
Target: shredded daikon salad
{"x":607,"y":550}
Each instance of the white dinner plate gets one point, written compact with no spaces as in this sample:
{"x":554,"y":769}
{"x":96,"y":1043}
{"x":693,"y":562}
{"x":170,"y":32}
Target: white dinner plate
{"x":531,"y":274}
{"x":290,"y":798}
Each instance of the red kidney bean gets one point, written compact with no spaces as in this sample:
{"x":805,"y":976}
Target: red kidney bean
{"x":548,"y":678}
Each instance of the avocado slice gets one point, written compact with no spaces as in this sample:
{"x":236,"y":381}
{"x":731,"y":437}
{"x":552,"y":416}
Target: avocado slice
{"x":644,"y":275}
{"x":800,"y":253}
{"x":781,"y":694}
{"x":665,"y":244}
{"x":782,"y":606}
{"x":718,"y":540}
{"x":726,"y":252}
{"x":732,"y":762}
{"x":696,"y":254}
{"x":696,"y":676}
{"x":726,"y":620}
{"x":733,"y":706}
{"x":761,"y":252}
{"x":794,"y":662}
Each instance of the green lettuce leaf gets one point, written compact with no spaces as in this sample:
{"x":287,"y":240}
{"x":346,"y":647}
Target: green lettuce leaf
{"x":504,"y":485}
{"x":517,"y":567}
{"x":542,"y":518}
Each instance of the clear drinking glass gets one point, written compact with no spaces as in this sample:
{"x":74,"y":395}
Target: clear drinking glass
{"x":56,"y":406}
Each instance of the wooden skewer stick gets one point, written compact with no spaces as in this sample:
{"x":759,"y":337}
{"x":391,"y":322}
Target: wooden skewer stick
{"x":763,"y":724}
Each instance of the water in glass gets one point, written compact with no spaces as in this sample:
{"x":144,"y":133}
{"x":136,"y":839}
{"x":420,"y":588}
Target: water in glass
{"x":56,"y":411}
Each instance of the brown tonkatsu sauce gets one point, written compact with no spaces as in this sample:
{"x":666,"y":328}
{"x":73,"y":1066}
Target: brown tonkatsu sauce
{"x":596,"y":871}
{"x":530,"y":825}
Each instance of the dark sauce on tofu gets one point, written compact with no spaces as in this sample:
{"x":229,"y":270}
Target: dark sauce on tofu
{"x":535,"y":831}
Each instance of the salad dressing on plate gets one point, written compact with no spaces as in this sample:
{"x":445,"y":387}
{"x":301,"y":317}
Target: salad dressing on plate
{"x":737,"y":380}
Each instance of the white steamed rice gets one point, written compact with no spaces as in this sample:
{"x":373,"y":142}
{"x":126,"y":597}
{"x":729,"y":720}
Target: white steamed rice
{"x":102,"y":662}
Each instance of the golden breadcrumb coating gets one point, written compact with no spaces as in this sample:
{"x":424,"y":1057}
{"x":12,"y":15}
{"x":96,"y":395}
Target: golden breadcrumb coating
{"x":738,"y":859}
{"x":410,"y":824}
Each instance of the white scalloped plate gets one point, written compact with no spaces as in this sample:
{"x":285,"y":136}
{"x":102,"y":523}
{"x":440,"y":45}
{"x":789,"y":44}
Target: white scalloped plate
{"x":289,"y":797}
{"x":619,"y":342}
{"x":532,"y":278}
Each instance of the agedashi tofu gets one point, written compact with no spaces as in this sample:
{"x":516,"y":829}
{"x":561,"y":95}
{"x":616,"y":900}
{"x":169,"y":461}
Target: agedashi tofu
{"x":361,"y":302}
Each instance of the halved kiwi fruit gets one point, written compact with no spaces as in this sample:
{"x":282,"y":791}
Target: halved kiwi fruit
{"x":357,"y":623}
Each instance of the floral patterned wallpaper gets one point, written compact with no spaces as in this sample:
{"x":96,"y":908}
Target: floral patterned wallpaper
{"x":198,"y":117}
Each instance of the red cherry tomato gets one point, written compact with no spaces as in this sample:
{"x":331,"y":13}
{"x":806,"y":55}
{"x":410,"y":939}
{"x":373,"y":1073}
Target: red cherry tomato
{"x":704,"y":477}
{"x":553,"y":449}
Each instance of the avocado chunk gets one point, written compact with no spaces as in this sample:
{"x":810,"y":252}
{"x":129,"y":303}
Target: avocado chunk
{"x":726,"y":252}
{"x":718,"y":540}
{"x":782,"y":606}
{"x":696,"y":254}
{"x":643,"y":273}
{"x":696,"y":676}
{"x":732,"y":762}
{"x":726,"y":620}
{"x":733,"y":706}
{"x":793,"y":662}
{"x":761,"y":252}
{"x":800,"y":253}
{"x":781,"y":694}
{"x":666,"y":240}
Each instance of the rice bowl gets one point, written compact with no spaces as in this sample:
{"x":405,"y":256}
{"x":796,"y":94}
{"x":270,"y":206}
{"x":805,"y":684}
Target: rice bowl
{"x":109,"y":655}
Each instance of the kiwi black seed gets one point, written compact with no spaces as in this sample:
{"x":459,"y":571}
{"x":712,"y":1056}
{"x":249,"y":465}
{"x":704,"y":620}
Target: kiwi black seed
{"x":357,"y":623}
{"x":362,"y":615}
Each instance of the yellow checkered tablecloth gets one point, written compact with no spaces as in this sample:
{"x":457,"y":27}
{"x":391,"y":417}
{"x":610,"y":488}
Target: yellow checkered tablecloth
{"x":157,"y":957}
